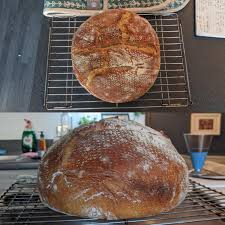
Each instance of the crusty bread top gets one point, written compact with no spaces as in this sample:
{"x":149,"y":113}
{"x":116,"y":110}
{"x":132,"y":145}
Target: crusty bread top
{"x":116,"y":55}
{"x":113,"y":169}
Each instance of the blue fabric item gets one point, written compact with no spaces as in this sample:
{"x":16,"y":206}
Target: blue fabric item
{"x":198,"y":160}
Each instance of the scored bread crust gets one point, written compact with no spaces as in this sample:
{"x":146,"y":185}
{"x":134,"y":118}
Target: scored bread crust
{"x":116,"y":55}
{"x":113,"y":169}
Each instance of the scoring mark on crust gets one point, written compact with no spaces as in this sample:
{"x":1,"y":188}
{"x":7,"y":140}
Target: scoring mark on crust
{"x":103,"y":51}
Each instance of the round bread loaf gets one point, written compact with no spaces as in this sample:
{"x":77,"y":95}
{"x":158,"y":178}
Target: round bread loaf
{"x":113,"y":169}
{"x":116,"y":55}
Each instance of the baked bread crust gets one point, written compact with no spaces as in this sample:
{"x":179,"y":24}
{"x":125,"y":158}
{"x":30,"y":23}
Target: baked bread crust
{"x":113,"y":169}
{"x":116,"y":55}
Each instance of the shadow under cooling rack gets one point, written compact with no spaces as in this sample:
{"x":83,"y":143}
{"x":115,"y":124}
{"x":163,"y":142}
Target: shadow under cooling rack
{"x":63,"y":91}
{"x":21,"y":204}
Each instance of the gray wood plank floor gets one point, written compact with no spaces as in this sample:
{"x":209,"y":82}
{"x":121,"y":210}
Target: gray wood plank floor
{"x":21,"y":28}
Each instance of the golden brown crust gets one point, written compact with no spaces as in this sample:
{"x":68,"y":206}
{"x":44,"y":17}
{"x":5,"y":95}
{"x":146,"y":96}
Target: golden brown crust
{"x":113,"y":169}
{"x":106,"y":44}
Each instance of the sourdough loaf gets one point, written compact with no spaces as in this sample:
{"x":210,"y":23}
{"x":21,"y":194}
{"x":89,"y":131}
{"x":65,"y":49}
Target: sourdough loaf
{"x":116,"y":55}
{"x":113,"y":169}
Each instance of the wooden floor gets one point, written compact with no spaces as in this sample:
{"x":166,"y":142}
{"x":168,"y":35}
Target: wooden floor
{"x":23,"y":45}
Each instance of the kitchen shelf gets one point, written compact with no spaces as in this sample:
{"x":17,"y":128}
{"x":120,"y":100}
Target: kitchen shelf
{"x":21,"y":204}
{"x":63,"y":91}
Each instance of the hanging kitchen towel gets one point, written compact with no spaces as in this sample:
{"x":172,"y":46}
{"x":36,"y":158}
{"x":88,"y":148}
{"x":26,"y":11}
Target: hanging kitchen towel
{"x":59,"y":8}
{"x":155,"y":6}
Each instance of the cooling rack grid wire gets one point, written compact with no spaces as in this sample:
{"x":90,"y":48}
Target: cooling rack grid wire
{"x":63,"y":91}
{"x":21,"y":204}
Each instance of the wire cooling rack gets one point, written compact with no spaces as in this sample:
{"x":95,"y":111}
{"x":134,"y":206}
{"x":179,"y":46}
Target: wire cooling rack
{"x":21,"y":204}
{"x":63,"y":91}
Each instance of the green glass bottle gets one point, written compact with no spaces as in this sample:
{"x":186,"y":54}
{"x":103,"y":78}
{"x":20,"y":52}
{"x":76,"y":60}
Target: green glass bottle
{"x":29,"y":140}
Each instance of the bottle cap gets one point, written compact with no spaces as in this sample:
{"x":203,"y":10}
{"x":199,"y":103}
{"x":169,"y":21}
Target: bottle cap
{"x":42,"y":134}
{"x":28,"y":124}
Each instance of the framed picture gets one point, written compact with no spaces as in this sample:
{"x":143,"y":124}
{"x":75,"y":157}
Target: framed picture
{"x":123,"y":116}
{"x":206,"y":123}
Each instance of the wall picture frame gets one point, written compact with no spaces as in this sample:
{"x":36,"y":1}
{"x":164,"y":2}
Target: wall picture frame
{"x":206,"y":123}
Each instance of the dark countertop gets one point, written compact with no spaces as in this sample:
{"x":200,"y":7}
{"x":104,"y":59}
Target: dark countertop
{"x":17,"y":162}
{"x":23,"y":51}
{"x":19,"y":165}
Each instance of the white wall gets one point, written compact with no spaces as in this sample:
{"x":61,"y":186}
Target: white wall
{"x":12,"y":124}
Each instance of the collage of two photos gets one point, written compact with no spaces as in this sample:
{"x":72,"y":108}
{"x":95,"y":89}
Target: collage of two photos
{"x":112,"y":112}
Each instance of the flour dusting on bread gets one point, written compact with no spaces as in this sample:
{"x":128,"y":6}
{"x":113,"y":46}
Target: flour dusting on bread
{"x":99,"y":168}
{"x":116,"y":56}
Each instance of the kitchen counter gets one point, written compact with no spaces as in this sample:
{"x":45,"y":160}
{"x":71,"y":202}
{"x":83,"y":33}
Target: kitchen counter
{"x":215,"y":164}
{"x":16,"y":162}
{"x":8,"y":177}
{"x":23,"y":52}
